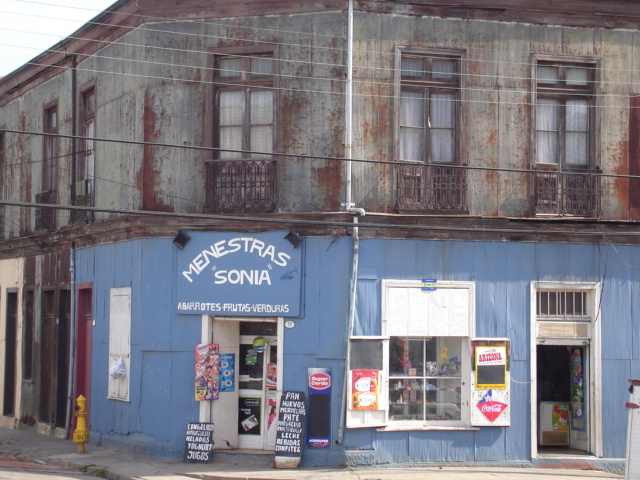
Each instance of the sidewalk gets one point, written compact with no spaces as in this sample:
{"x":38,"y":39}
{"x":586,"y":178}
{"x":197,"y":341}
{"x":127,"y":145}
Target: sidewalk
{"x":105,"y":463}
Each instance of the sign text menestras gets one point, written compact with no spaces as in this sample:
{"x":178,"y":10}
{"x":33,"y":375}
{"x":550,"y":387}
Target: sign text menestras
{"x":245,"y":245}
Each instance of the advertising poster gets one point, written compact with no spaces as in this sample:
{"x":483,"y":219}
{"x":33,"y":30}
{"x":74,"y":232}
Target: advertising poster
{"x":577,"y":388}
{"x":272,"y":376}
{"x":560,"y":416}
{"x":491,"y":408}
{"x":491,"y":367}
{"x":364,"y":389}
{"x":227,"y":372}
{"x":207,"y":385}
{"x":319,"y":394}
{"x":249,"y":416}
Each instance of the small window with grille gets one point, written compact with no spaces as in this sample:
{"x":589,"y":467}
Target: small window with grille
{"x":562,"y":305}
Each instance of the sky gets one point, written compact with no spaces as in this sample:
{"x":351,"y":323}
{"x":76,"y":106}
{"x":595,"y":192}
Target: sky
{"x":29,"y":27}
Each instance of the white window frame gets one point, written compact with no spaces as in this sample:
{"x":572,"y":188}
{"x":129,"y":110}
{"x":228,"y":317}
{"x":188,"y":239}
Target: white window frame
{"x":405,"y":299}
{"x":120,"y":341}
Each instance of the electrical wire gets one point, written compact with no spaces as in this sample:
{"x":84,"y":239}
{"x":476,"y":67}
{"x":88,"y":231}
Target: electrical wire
{"x":325,"y":223}
{"x":305,"y":156}
{"x":361,"y":68}
{"x":296,"y":61}
{"x":253,"y":29}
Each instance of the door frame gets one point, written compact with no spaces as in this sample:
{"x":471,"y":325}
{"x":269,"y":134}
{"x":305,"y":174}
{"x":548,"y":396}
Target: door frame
{"x":250,"y":442}
{"x":206,"y":407}
{"x":593,"y":342}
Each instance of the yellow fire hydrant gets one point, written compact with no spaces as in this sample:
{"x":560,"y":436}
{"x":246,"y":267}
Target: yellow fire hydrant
{"x":81,"y":434}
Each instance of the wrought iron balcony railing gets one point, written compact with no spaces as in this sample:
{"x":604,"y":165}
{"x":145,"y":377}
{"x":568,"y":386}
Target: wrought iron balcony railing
{"x":240,"y":185}
{"x":573,"y":193}
{"x":435,"y":188}
{"x":81,"y":197}
{"x":46,"y":216}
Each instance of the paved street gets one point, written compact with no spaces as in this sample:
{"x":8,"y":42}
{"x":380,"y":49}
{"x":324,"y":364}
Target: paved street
{"x":16,"y":469}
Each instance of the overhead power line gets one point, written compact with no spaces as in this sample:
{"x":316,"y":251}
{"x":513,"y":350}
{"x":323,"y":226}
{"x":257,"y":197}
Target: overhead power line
{"x":263,"y":219}
{"x":302,"y":45}
{"x":298,"y":156}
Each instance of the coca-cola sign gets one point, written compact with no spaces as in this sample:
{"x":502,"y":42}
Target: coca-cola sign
{"x":491,"y":406}
{"x":319,"y":381}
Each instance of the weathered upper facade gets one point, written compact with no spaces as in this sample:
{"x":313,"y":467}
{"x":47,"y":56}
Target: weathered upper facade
{"x":420,"y":130}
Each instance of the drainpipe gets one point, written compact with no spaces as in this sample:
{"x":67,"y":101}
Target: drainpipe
{"x":72,"y":253}
{"x":72,"y":346}
{"x":349,"y":207}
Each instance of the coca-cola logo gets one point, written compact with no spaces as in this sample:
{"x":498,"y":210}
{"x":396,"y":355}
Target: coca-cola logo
{"x":490,"y":406}
{"x":319,"y":381}
{"x":493,"y":408}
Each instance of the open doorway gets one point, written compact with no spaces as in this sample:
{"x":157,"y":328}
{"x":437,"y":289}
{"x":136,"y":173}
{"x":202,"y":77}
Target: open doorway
{"x":245,"y":414}
{"x":562,"y":379}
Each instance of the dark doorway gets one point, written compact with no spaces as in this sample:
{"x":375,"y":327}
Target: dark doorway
{"x":11,"y":336}
{"x":553,"y":373}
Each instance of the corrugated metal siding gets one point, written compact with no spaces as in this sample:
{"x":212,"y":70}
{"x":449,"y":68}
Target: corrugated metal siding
{"x":163,"y":342}
{"x":503,"y":273}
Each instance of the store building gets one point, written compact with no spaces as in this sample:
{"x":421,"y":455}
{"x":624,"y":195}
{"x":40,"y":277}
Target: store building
{"x":422,"y":217}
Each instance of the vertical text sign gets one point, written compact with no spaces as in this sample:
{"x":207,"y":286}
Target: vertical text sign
{"x":291,"y":418}
{"x":199,"y":443}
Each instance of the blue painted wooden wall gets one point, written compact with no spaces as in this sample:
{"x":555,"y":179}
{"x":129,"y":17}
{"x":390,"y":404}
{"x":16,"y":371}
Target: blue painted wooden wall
{"x":503,"y":272}
{"x":163,"y":341}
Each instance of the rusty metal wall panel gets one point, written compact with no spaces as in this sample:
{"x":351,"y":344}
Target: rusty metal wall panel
{"x":497,"y":115}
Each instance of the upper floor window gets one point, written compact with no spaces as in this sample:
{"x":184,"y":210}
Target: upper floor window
{"x":429,"y":133}
{"x":564,"y":114}
{"x":241,"y":175}
{"x":429,"y":99}
{"x":2,"y":163}
{"x":86,"y":158}
{"x":244,"y":106}
{"x":50,"y":159}
{"x":568,"y":181}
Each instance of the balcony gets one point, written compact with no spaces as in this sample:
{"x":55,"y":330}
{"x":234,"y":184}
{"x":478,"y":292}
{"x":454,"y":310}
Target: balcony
{"x":81,"y":197}
{"x":46,"y":216}
{"x":576,"y":193}
{"x":240,"y":186}
{"x":431,"y":188}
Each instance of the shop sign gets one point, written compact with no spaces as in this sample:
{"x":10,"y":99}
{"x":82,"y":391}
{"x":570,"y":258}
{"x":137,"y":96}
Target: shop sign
{"x":291,"y":423}
{"x":319,"y":421}
{"x":491,"y":406}
{"x":491,"y":367}
{"x":239,"y":274}
{"x":198,"y":443}
{"x":490,"y":386}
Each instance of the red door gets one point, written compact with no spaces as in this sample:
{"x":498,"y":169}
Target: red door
{"x":84,"y":322}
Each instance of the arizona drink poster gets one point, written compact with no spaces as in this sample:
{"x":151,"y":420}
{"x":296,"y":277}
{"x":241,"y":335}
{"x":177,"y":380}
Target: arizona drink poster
{"x":207,"y":385}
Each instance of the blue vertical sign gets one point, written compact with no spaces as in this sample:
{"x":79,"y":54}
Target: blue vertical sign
{"x":319,"y":417}
{"x":248,"y":274}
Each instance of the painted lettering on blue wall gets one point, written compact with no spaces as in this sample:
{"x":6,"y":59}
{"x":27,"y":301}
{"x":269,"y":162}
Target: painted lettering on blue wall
{"x":233,"y":307}
{"x":237,"y":245}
